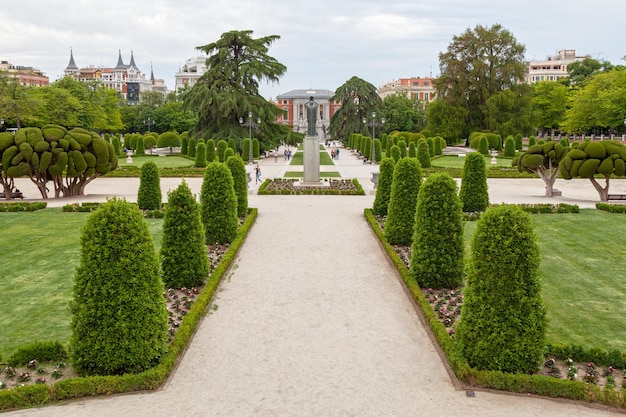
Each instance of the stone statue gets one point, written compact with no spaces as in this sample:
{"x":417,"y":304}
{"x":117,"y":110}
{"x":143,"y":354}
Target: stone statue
{"x":311,"y":116}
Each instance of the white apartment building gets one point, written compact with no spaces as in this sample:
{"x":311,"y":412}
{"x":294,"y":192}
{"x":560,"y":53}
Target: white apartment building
{"x":553,"y":67}
{"x":190,"y":72}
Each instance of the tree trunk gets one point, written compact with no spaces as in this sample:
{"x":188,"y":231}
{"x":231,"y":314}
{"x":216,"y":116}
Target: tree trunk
{"x":603,"y":192}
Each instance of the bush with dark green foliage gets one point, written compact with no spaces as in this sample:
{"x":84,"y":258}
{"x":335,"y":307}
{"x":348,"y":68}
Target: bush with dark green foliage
{"x":412,"y":150}
{"x":483,"y":146}
{"x":232,"y":145}
{"x":210,"y":150}
{"x":474,"y":193}
{"x":403,"y":147}
{"x":532,"y":141}
{"x":383,"y":189}
{"x":184,"y":144}
{"x":256,"y":149}
{"x":509,"y":147}
{"x":219,"y":204}
{"x":390,"y":143}
{"x":437,"y":251}
{"x":184,"y":258}
{"x":117,"y":145}
{"x":149,"y":142}
{"x":221,"y":148}
{"x":140,"y":146}
{"x":395,"y":153}
{"x":503,"y":324}
{"x":423,"y":154}
{"x":437,"y":144}
{"x":565,"y":142}
{"x":431,"y":146}
{"x":149,"y":195}
{"x":192,"y":148}
{"x":407,"y":178}
{"x":228,"y":153}
{"x":119,"y":322}
{"x":41,"y":351}
{"x":245,"y":150}
{"x":240,"y":180}
{"x":168,"y":140}
{"x":518,"y":142}
{"x":378,"y":149}
{"x":200,"y":161}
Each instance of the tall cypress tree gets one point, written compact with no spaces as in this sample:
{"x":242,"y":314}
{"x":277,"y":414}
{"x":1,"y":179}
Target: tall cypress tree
{"x":219,"y":204}
{"x":149,"y":195}
{"x":383,"y":192}
{"x":240,"y":180}
{"x":474,"y":194}
{"x":407,"y":178}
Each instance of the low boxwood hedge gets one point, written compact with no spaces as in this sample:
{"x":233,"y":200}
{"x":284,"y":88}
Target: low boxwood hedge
{"x":12,"y":207}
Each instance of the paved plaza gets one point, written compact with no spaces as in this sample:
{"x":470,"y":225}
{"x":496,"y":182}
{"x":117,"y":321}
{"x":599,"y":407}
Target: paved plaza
{"x":312,"y":320}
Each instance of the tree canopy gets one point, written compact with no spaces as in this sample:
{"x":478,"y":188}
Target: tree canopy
{"x":403,"y":113}
{"x":229,"y":89}
{"x":358,"y":100}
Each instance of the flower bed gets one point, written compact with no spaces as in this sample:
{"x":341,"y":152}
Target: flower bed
{"x":331,"y":186}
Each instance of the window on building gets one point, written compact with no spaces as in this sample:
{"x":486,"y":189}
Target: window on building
{"x":286,"y":114}
{"x":426,"y":96}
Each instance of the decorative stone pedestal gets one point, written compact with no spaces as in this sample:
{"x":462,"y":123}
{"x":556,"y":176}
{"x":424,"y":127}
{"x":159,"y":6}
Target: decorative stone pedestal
{"x":311,"y":160}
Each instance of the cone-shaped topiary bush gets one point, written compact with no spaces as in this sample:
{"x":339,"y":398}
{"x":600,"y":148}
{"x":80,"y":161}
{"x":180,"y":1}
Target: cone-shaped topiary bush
{"x":532,"y":141}
{"x":483,"y":146}
{"x":117,"y":145}
{"x":140,"y":148}
{"x":503,"y":324}
{"x":509,"y":147}
{"x":412,"y":150}
{"x":423,"y":154}
{"x":221,"y":148}
{"x":395,"y":153}
{"x":210,"y":150}
{"x":256,"y":149}
{"x":192,"y":148}
{"x":232,"y":145}
{"x":407,"y":178}
{"x":474,"y":194}
{"x":184,"y":144}
{"x":245,"y":150}
{"x":149,"y":195}
{"x":519,"y":145}
{"x":437,"y":252}
{"x":200,"y":161}
{"x":119,"y":322}
{"x":383,"y":190}
{"x":402,"y":146}
{"x":240,"y":180}
{"x":219,"y":204}
{"x":184,"y":258}
{"x":377,"y":147}
{"x":228,"y":153}
{"x":431,"y":146}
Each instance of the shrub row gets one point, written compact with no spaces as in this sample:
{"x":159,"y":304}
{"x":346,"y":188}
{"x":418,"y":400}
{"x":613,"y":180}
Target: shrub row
{"x":310,"y":191}
{"x":546,"y":208}
{"x":520,"y":383}
{"x":11,"y":207}
{"x":41,"y":351}
{"x":35,"y":395}
{"x":611,"y":208}
{"x":577,"y":353}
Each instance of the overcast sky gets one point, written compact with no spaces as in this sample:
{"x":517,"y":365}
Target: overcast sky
{"x":323,"y":43}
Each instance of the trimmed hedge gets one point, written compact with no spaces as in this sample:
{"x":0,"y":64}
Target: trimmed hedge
{"x":383,"y":190}
{"x":423,"y":153}
{"x":611,"y":208}
{"x":240,"y":180}
{"x":149,"y":194}
{"x":219,"y":203}
{"x":41,"y":351}
{"x":474,"y":192}
{"x":407,"y":178}
{"x":13,"y":207}
{"x":200,"y":161}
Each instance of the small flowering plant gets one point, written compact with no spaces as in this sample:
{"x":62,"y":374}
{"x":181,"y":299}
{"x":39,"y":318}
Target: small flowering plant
{"x":572,"y":371}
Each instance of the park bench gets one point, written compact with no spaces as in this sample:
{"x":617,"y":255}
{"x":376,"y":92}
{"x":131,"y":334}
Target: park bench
{"x":616,"y":197}
{"x":14,"y":194}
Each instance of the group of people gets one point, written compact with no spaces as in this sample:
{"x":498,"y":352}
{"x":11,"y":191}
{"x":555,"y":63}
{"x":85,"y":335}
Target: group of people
{"x":287,"y":154}
{"x":334,"y":153}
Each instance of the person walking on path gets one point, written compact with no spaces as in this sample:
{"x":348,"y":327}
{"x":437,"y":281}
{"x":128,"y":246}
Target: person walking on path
{"x":275,"y":155}
{"x":257,"y":170}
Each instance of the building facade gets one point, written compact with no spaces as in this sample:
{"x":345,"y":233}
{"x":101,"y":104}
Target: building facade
{"x":127,"y":79}
{"x":190,"y":72}
{"x":27,"y":76}
{"x":553,"y":67}
{"x":293,"y":103}
{"x":415,"y":87}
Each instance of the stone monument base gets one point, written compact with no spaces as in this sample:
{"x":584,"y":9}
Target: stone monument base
{"x":311,"y":159}
{"x":305,"y":184}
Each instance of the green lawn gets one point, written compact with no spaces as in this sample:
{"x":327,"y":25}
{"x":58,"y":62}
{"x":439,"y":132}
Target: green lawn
{"x":40,"y":251}
{"x":298,"y":158}
{"x":582,"y":272}
{"x":173,"y":161}
{"x":453,"y":161}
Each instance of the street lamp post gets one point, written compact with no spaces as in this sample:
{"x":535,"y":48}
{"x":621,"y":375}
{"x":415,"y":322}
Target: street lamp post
{"x":148,"y":121}
{"x":373,"y":124}
{"x":250,"y":124}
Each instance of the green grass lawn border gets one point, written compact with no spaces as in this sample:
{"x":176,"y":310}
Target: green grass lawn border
{"x":470,"y":377}
{"x":37,"y":395}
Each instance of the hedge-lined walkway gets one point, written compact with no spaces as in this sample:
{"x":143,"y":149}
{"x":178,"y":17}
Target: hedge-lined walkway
{"x":311,"y":321}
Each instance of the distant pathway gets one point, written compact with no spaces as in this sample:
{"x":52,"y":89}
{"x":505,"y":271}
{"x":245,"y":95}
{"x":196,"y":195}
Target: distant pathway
{"x":311,"y":321}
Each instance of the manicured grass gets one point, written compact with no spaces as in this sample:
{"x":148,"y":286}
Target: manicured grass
{"x":173,"y":161}
{"x":582,"y":277}
{"x":323,"y":174}
{"x":298,"y":158}
{"x":40,"y":251}
{"x":453,"y":161}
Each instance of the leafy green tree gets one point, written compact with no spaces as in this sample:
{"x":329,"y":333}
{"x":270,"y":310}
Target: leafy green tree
{"x":423,"y":155}
{"x":149,"y":142}
{"x":221,"y":148}
{"x":210,"y":150}
{"x":578,"y":72}
{"x":477,"y":65}
{"x":588,"y":159}
{"x":403,"y":113}
{"x":437,"y":251}
{"x":229,"y":89}
{"x":168,"y":140}
{"x":200,"y":161}
{"x":446,"y":120}
{"x":503,"y":325}
{"x":219,"y":204}
{"x":119,"y":319}
{"x":240,"y":182}
{"x":474,"y":194}
{"x":149,"y":194}
{"x":184,"y":260}
{"x":18,"y":103}
{"x":407,"y":178}
{"x":383,"y":190}
{"x":510,"y":111}
{"x":358,"y":99}
{"x":509,"y":147}
{"x":550,"y":102}
{"x":543,"y":160}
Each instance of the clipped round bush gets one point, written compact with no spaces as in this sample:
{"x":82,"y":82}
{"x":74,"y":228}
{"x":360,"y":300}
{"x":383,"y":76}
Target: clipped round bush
{"x":168,"y":140}
{"x":184,"y":258}
{"x":383,"y":190}
{"x":149,"y":195}
{"x":509,"y":147}
{"x":532,"y":141}
{"x":200,"y":161}
{"x":219,"y":204}
{"x":503,"y":324}
{"x":407,"y":178}
{"x":240,"y":180}
{"x":423,"y":154}
{"x":474,"y":194}
{"x":119,"y":322}
{"x":437,"y":251}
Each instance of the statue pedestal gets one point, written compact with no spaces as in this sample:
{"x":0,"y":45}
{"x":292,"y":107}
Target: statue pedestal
{"x":311,"y":160}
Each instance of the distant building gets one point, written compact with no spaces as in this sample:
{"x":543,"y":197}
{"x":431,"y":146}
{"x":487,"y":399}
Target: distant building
{"x":553,"y":67}
{"x":293,"y":103}
{"x":190,"y":72}
{"x":27,"y":76}
{"x":415,"y":87}
{"x":125,"y":78}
